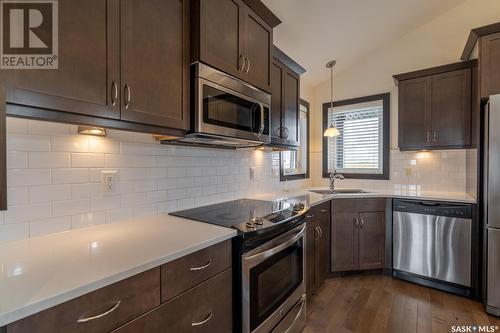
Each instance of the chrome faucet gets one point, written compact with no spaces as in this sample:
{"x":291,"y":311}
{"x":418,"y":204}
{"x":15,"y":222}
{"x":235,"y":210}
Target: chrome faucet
{"x":334,"y":175}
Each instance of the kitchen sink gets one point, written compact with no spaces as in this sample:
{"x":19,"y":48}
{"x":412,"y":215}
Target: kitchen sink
{"x":340,"y":191}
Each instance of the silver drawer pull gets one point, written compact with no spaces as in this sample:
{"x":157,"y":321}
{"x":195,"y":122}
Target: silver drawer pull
{"x":309,"y":216}
{"x":203,"y":321}
{"x":84,"y":320}
{"x":202,"y":267}
{"x":324,"y":210}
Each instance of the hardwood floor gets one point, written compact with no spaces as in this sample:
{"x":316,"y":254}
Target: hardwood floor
{"x":374,"y":303}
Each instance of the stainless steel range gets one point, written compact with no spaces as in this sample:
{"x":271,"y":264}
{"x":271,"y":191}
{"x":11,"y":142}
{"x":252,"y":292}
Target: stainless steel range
{"x":269,"y":261}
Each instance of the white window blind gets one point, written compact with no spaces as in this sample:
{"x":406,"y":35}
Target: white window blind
{"x":359,"y":148}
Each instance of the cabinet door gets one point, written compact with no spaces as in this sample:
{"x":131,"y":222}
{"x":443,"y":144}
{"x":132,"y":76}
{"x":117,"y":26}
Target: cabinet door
{"x":451,"y":109}
{"x":311,"y":235}
{"x":344,"y":242}
{"x":3,"y":148}
{"x":276,"y":100}
{"x":154,"y":64}
{"x":257,"y":47}
{"x":290,"y":115}
{"x":414,"y":113}
{"x":220,"y":33}
{"x":489,"y":66}
{"x":88,"y":76}
{"x":371,"y":240}
{"x":322,"y":251}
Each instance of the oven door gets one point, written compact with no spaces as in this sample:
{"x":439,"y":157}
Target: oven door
{"x":223,"y":111}
{"x":273,"y":280}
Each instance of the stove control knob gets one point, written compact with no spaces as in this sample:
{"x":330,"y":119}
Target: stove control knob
{"x":250,"y":225}
{"x":258,"y":220}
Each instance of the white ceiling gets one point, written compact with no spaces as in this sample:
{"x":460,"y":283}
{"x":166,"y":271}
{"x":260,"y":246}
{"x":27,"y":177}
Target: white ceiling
{"x":316,"y":31}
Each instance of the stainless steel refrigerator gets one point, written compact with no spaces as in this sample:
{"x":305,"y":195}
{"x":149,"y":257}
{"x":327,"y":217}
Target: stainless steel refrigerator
{"x":491,"y":203}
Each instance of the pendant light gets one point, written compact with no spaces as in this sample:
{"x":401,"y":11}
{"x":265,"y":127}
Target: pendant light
{"x":331,"y":131}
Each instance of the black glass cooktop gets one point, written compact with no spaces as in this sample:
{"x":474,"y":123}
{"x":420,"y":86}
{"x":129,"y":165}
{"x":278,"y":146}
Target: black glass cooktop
{"x":232,"y":213}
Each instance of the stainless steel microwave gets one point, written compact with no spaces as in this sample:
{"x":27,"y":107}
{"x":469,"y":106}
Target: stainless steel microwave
{"x":227,"y":111}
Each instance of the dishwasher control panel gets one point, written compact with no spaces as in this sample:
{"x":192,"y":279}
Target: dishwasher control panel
{"x":436,"y":208}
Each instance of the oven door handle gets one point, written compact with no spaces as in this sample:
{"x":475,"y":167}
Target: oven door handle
{"x":292,"y":238}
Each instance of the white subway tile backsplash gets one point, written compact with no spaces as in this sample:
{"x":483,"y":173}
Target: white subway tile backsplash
{"x":133,"y":199}
{"x":48,"y":160}
{"x":48,"y":193}
{"x":88,"y":219}
{"x":87,"y":160}
{"x":118,"y":161}
{"x":16,"y":125}
{"x":74,"y":143}
{"x":23,"y":213}
{"x":17,"y":160}
{"x":119,"y":215}
{"x":69,"y":176}
{"x":25,"y":142}
{"x":17,"y":196}
{"x":48,"y":128}
{"x":86,"y":190}
{"x":70,"y":207}
{"x":103,"y":145}
{"x":13,"y":232}
{"x":25,"y":177}
{"x":104,"y":202}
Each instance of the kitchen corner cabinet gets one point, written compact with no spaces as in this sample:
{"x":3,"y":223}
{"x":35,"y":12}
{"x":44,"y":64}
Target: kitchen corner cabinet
{"x":142,"y":78}
{"x":489,"y":64}
{"x":357,"y":234}
{"x":435,"y":108}
{"x":285,"y":90}
{"x":230,"y":36}
{"x":317,"y":246}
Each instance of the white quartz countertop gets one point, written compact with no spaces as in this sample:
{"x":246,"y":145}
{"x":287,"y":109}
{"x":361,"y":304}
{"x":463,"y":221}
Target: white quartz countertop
{"x":312,"y":198}
{"x":41,"y":272}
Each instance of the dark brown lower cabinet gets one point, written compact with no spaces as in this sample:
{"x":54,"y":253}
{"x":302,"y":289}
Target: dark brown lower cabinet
{"x":317,"y":246}
{"x":358,"y":234}
{"x":3,"y":148}
{"x":205,"y":308}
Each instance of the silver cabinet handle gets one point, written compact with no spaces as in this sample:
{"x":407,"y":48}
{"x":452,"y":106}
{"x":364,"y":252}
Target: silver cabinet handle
{"x":114,"y":93}
{"x":248,"y":67}
{"x":203,"y":321}
{"x":242,"y":63}
{"x":128,"y":95}
{"x":434,"y":136}
{"x":356,"y":222}
{"x":324,"y":210}
{"x":362,"y":222}
{"x":284,"y":132}
{"x":320,"y":232}
{"x":428,"y":136}
{"x":201,"y":267}
{"x":86,"y":319}
{"x":309,"y":216}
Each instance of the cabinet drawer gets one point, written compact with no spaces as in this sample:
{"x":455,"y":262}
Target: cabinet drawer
{"x":358,"y":205}
{"x":205,"y":308}
{"x":316,"y":212}
{"x":98,"y":311}
{"x":186,"y":272}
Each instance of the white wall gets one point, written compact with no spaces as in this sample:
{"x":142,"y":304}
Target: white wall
{"x":53,"y":177}
{"x":437,"y":42}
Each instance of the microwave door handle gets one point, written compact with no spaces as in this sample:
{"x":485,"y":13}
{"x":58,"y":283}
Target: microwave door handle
{"x":262,"y":116}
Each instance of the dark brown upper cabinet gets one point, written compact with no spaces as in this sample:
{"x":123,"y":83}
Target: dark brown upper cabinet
{"x":485,"y":41}
{"x":88,"y":78}
{"x":3,"y":156}
{"x":154,"y":64}
{"x":489,"y":64}
{"x":357,"y":234}
{"x":285,"y":90}
{"x":137,"y":83}
{"x":435,"y":107}
{"x":232,"y":37}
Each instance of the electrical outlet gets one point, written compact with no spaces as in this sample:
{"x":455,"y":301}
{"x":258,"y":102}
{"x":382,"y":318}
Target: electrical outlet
{"x":275,"y":172}
{"x":109,"y":180}
{"x":252,"y":173}
{"x":407,"y":171}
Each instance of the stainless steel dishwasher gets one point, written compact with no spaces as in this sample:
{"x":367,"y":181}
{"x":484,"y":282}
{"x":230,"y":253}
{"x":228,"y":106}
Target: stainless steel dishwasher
{"x":432,"y":244}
